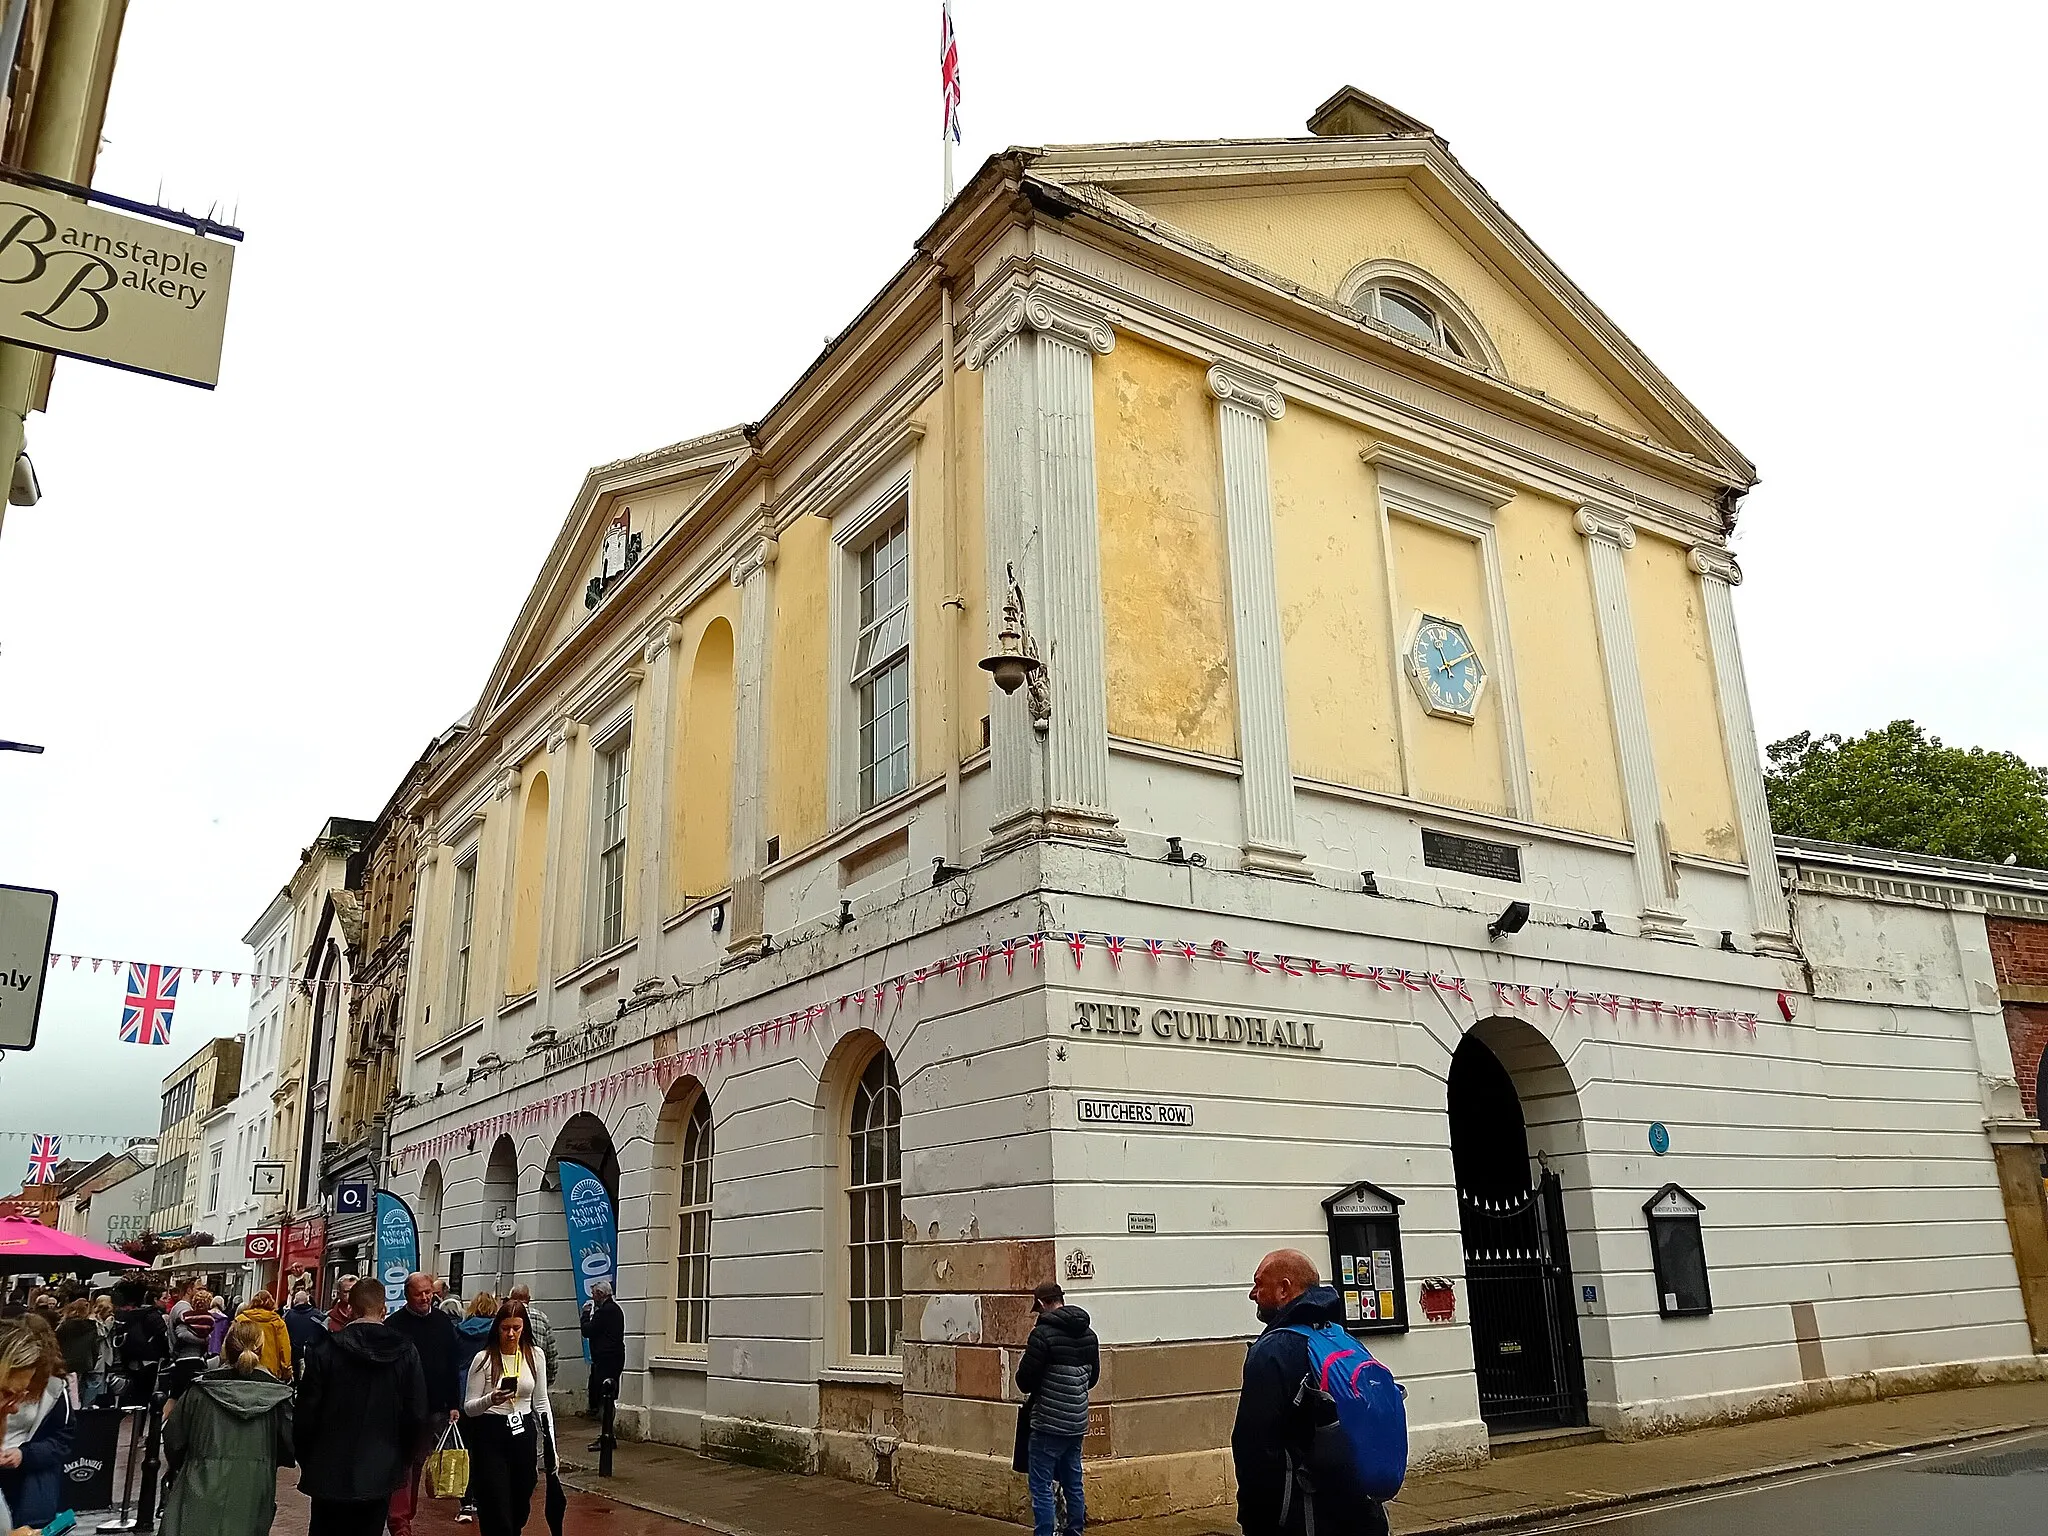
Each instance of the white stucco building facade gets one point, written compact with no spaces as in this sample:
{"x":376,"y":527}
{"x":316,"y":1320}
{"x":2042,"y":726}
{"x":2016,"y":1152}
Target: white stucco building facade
{"x":1103,"y":980}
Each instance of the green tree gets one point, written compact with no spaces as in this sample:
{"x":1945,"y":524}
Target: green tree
{"x":1901,"y":788}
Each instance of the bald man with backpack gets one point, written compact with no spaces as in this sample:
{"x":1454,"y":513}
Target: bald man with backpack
{"x":1321,"y":1438}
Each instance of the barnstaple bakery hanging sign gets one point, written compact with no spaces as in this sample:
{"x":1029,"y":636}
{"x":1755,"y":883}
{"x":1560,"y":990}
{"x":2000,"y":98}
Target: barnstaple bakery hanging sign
{"x":82,"y":281}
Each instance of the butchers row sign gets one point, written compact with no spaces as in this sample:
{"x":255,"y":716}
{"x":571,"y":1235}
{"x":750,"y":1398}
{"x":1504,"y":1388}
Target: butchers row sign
{"x":1189,"y":1026}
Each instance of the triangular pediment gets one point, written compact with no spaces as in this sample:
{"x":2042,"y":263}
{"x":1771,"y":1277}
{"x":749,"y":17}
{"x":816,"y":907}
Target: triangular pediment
{"x":623,"y":512}
{"x":1321,"y":217}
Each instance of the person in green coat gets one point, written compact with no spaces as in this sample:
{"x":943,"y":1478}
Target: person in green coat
{"x":225,"y":1440}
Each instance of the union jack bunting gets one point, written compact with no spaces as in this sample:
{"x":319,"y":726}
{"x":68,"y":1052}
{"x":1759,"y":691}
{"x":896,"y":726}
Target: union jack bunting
{"x":146,"y":1010}
{"x":44,"y":1154}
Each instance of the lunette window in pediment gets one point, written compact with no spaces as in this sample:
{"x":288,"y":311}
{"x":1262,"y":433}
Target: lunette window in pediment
{"x":1417,"y":306}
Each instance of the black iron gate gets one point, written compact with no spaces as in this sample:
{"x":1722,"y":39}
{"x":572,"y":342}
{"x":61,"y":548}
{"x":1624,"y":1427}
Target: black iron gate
{"x":1525,"y":1328}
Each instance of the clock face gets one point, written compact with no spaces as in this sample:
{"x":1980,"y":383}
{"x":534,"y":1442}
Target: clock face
{"x":1445,"y":668}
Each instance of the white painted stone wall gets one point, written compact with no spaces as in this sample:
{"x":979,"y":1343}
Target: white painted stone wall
{"x":1840,"y":1155}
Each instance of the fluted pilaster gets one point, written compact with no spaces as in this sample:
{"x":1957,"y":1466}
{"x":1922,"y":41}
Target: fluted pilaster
{"x":1036,"y":350}
{"x":1719,"y":575}
{"x":751,"y":574}
{"x":1607,"y":534}
{"x":1245,"y":404}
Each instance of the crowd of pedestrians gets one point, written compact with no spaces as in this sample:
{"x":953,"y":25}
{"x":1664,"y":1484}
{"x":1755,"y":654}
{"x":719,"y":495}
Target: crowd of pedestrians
{"x":360,"y":1401}
{"x":355,"y":1399}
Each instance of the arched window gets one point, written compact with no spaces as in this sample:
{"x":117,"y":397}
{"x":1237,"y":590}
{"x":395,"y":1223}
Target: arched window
{"x":1411,"y":316}
{"x":874,"y":1212}
{"x":693,"y":1228}
{"x":1415,"y":304}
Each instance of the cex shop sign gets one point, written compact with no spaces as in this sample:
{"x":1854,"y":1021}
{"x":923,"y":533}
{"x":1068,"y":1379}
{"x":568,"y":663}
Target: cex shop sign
{"x":261,"y":1245}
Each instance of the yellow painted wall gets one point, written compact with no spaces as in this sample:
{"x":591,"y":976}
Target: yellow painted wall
{"x":1567,"y":724}
{"x":1166,"y":609}
{"x":522,"y":959}
{"x":1318,"y":238}
{"x":704,"y":756}
{"x":971,"y":533}
{"x":1332,"y":581}
{"x":799,"y":685}
{"x":494,"y":857}
{"x":1685,"y":716}
{"x":1451,"y":762}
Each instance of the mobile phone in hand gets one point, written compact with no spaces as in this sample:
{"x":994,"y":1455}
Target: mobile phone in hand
{"x":64,"y":1522}
{"x":508,"y":1384}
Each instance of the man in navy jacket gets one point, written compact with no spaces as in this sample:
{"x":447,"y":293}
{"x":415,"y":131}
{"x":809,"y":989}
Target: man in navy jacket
{"x":1270,"y":1442}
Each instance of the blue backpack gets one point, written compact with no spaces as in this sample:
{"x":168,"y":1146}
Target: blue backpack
{"x":1367,"y":1443}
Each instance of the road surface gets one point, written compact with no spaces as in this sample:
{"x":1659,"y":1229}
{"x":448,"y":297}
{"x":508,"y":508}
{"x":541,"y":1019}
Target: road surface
{"x":1984,"y":1488}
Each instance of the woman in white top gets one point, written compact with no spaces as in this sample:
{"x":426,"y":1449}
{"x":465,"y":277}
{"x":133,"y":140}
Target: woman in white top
{"x":506,"y":1400}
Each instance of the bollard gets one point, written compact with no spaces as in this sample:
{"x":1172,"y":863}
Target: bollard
{"x":123,"y":1522}
{"x":152,"y":1450}
{"x":607,"y":1406}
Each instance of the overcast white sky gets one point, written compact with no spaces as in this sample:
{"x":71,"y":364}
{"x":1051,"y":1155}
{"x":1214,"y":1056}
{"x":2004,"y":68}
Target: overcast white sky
{"x":495,"y":244}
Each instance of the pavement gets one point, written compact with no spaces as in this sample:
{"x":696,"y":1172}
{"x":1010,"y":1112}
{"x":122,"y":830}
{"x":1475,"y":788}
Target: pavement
{"x":1553,"y":1485}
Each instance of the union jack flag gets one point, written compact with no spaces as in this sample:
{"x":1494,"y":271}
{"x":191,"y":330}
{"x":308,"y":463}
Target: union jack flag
{"x":146,"y":1011}
{"x":949,"y":73}
{"x":43,"y":1157}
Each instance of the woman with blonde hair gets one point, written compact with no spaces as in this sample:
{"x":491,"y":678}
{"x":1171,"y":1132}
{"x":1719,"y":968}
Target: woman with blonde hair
{"x":226,"y":1439}
{"x":276,"y":1345}
{"x":37,"y":1442}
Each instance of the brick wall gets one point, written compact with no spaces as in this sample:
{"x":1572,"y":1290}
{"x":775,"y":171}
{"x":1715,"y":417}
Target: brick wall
{"x":2019,"y":951}
{"x":2019,"y":956}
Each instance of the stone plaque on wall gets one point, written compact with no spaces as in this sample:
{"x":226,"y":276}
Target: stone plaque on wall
{"x":1471,"y":855}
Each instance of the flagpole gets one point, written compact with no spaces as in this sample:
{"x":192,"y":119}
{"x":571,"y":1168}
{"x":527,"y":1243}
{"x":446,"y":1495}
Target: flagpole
{"x":948,"y":140}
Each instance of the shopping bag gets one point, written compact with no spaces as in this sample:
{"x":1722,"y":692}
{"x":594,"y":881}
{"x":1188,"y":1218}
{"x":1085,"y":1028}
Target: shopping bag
{"x":447,"y":1469}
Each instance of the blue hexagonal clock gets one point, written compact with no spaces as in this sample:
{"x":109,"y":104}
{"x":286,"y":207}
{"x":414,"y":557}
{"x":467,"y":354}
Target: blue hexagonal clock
{"x":1444,"y":666}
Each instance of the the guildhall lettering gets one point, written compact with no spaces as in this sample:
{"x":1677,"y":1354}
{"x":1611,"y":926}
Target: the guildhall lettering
{"x":1192,"y":1027}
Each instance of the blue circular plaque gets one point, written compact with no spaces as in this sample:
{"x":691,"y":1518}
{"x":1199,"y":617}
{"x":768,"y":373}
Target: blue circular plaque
{"x":1660,"y":1139}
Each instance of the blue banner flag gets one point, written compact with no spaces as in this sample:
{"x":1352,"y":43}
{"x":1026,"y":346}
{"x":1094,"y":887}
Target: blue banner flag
{"x":398,"y":1246}
{"x":593,"y":1232}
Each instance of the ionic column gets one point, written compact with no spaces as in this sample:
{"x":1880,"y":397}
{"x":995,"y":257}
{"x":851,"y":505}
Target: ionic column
{"x":1036,"y":350}
{"x":650,"y":796}
{"x":1245,"y":403}
{"x":1607,"y":534}
{"x":1719,"y":575}
{"x":751,"y":573}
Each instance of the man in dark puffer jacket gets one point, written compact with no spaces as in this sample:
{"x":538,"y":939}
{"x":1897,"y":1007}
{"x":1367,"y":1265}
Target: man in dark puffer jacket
{"x":1060,"y":1366}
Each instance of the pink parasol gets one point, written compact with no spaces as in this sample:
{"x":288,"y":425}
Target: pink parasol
{"x":29,"y":1247}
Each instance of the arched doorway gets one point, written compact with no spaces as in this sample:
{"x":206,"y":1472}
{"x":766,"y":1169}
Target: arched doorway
{"x":1512,"y":1107}
{"x":501,"y":1203}
{"x":553,"y":1270}
{"x":585,"y":1140}
{"x":430,"y":1220}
